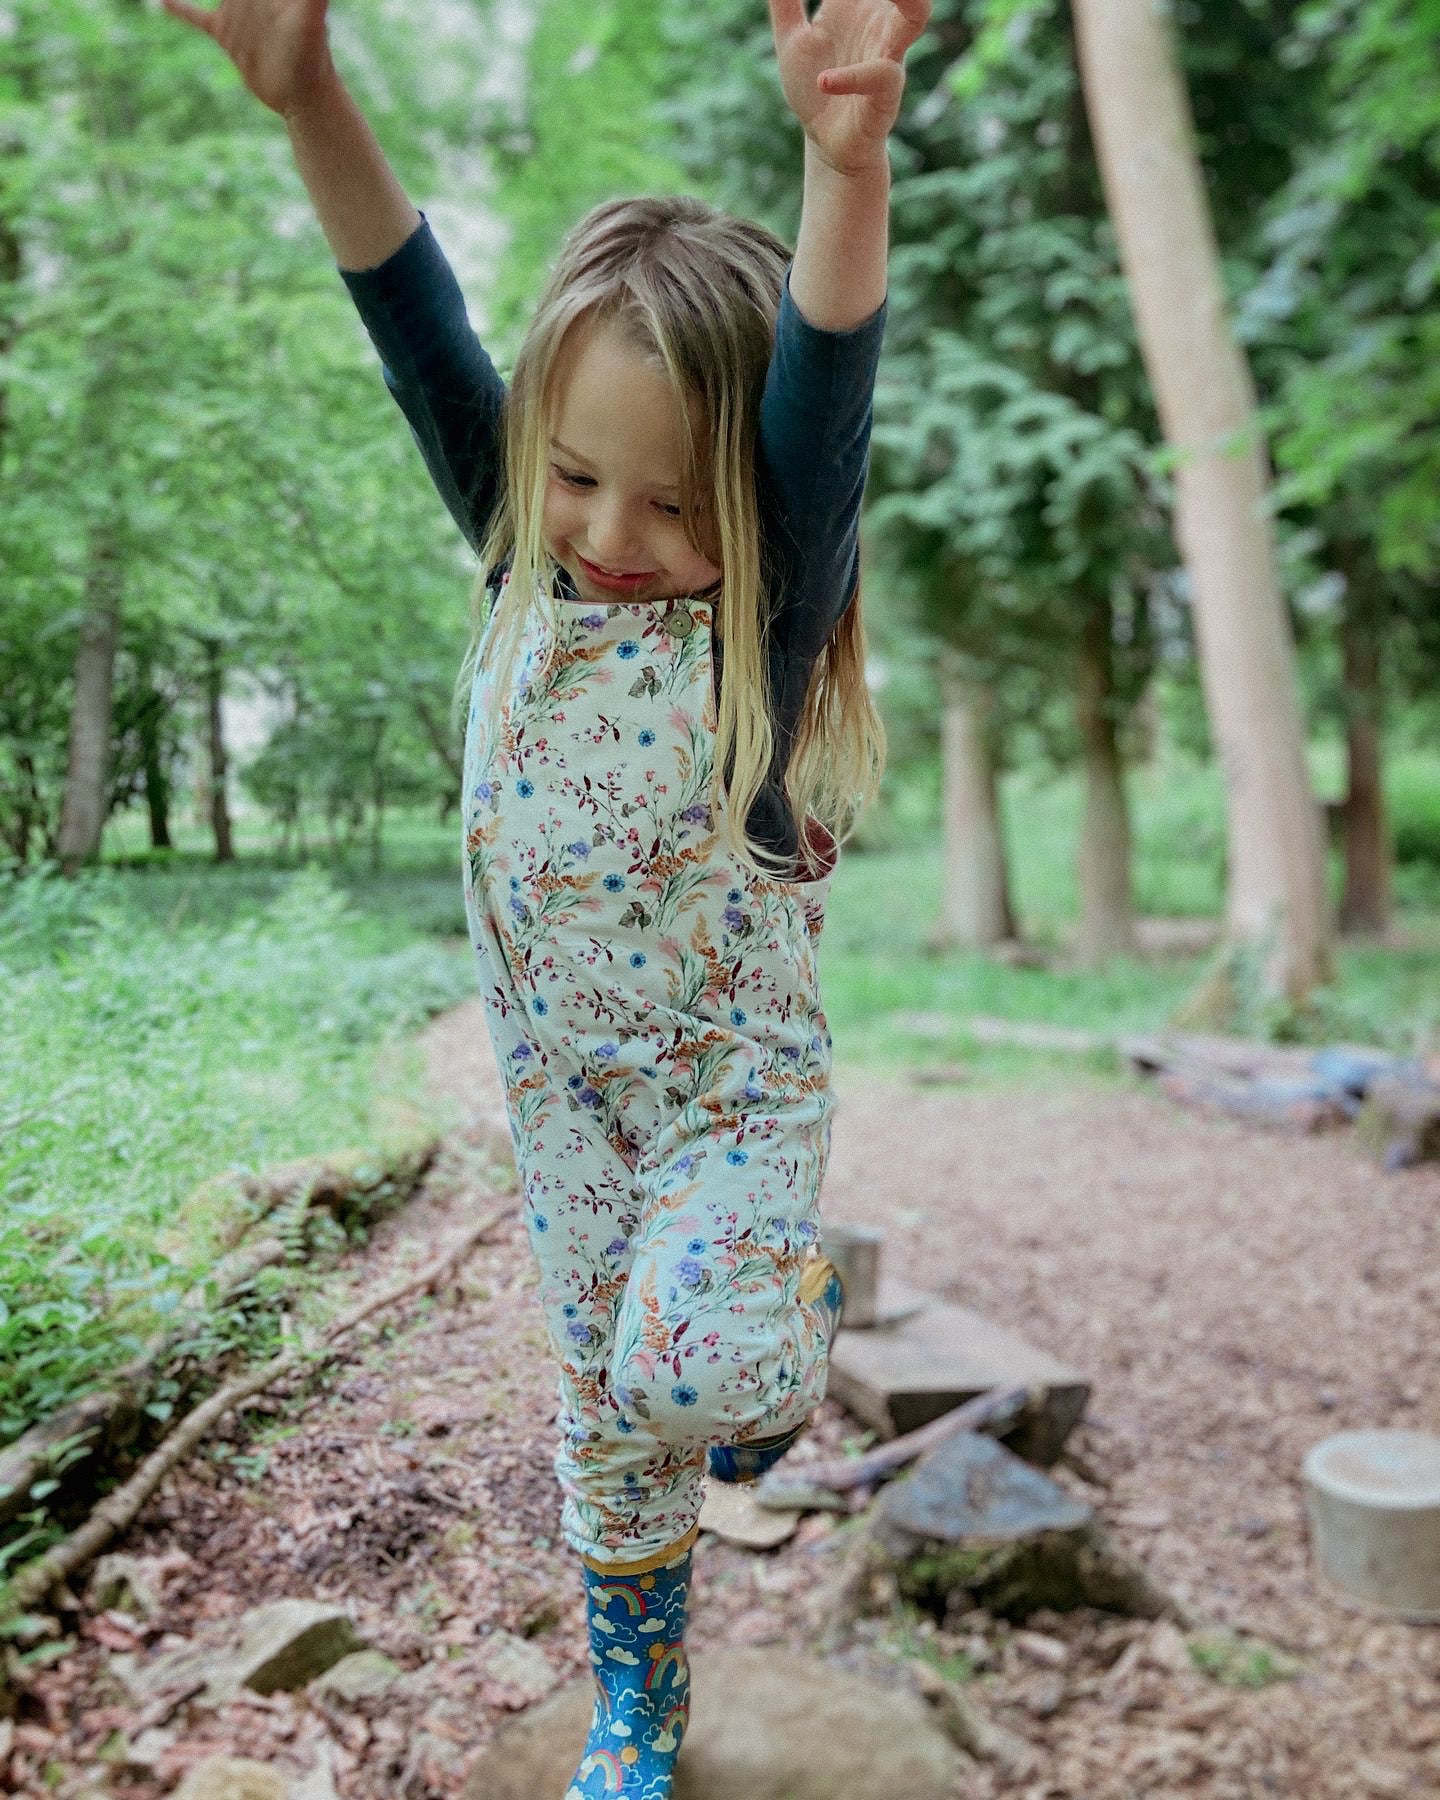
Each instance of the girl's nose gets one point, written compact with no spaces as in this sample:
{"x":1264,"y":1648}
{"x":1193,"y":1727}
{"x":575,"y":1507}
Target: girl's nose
{"x":611,"y":535}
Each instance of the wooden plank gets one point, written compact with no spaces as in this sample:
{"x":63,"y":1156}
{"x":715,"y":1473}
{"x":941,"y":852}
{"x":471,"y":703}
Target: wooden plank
{"x":901,"y":1377}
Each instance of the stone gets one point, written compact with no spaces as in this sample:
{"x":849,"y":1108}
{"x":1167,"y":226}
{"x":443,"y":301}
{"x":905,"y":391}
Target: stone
{"x":520,"y":1666}
{"x":119,"y":1583}
{"x":319,"y":1783}
{"x":283,"y":1644}
{"x":971,"y":1489}
{"x":778,"y":1491}
{"x":931,"y":1359}
{"x":975,"y":1526}
{"x":765,"y":1723}
{"x":359,"y":1676}
{"x":734,"y":1513}
{"x":147,"y":1748}
{"x":232,"y":1778}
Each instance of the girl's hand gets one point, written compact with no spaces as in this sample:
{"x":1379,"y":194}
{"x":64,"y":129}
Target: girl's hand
{"x":843,"y":72}
{"x":280,"y":47}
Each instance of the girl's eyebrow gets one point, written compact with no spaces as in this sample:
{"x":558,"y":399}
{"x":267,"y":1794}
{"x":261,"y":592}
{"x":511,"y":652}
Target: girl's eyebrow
{"x":661,"y":487}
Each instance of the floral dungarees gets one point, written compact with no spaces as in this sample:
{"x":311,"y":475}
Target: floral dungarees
{"x":655,"y":1012}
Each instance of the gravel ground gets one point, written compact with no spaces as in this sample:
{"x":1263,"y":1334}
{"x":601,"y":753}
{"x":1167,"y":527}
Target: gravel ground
{"x":1233,"y":1295}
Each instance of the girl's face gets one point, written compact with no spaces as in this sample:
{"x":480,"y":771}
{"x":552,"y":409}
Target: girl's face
{"x":612,"y":497}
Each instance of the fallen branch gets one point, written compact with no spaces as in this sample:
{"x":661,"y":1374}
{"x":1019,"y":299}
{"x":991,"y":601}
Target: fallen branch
{"x":108,"y":1417}
{"x":118,"y":1510}
{"x":998,"y":1406}
{"x":112,"y":1418}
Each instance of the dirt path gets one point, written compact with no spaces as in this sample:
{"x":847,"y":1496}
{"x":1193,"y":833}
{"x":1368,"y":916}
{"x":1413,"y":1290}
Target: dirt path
{"x":1233,"y":1295}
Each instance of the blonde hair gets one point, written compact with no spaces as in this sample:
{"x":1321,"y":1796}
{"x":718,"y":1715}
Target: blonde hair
{"x":698,"y":290}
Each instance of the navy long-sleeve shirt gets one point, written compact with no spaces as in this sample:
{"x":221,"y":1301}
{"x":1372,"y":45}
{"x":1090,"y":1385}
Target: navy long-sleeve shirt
{"x":815,"y":419}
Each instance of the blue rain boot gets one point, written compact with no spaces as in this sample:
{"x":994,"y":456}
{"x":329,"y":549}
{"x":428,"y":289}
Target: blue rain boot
{"x":642,"y":1677}
{"x":822,"y":1290}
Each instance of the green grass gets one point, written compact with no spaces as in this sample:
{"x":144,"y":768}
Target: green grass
{"x":874,"y":962}
{"x":1237,"y":1661}
{"x":153,"y":1041}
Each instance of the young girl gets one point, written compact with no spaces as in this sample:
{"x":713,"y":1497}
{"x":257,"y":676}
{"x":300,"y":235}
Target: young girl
{"x":668,"y":733}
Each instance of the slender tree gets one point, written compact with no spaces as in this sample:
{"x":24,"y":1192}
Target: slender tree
{"x":1144,"y":135}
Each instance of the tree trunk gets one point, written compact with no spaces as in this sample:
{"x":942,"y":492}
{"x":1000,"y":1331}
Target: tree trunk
{"x":1107,"y":909}
{"x":975,"y":906}
{"x":219,"y":800}
{"x":87,"y":773}
{"x":27,"y":807}
{"x":157,"y":781}
{"x":377,"y":802}
{"x":1365,"y":901}
{"x":442,"y":741}
{"x":1144,"y":135}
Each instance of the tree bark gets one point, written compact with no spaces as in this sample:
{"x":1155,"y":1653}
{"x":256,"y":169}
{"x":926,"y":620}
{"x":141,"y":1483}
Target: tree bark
{"x":1144,"y":135}
{"x":1365,"y":900}
{"x":442,"y":741}
{"x":377,"y":802}
{"x":87,"y":773}
{"x":219,"y":799}
{"x":1107,"y":907}
{"x":157,"y":781}
{"x":975,"y":908}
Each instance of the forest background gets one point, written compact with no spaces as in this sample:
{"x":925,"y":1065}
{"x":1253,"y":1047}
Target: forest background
{"x":232,"y":609}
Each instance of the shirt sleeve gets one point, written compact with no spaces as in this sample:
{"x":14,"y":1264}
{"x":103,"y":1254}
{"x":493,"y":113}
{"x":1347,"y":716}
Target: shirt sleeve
{"x":815,"y":420}
{"x":438,"y":371}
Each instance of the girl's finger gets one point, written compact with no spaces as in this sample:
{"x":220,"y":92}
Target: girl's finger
{"x":787,"y":16}
{"x":915,"y":13}
{"x":194,"y":15}
{"x":880,"y":78}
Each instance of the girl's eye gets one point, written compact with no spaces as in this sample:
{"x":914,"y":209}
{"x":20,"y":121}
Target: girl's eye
{"x":585,"y":481}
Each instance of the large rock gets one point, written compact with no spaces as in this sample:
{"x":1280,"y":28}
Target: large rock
{"x":280,"y":1645}
{"x":765,"y":1725}
{"x":360,"y":1676}
{"x":970,"y":1489}
{"x":232,"y":1778}
{"x":899,"y":1377}
{"x":239,"y":1778}
{"x":733,"y":1513}
{"x":975,"y":1526}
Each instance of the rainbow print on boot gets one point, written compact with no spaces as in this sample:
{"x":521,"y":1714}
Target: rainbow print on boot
{"x":642,"y":1679}
{"x":822,"y":1290}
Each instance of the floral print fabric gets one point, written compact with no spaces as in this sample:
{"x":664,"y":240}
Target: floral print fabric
{"x":655,"y":1012}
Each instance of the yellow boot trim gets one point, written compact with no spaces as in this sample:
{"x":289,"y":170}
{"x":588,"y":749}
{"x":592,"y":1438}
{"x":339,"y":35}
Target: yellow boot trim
{"x":815,"y":1277}
{"x":644,"y":1564}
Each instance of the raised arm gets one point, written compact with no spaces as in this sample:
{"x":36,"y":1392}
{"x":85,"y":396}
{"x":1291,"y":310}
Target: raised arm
{"x":843,"y":75}
{"x":281,"y":51}
{"x":402,"y":285}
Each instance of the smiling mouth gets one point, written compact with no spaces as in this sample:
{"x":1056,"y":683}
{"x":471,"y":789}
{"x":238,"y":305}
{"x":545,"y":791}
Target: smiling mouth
{"x":600,"y":574}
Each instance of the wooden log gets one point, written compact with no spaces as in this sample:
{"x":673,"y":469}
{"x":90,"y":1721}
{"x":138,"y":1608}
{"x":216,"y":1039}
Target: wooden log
{"x":991,"y":1411}
{"x":118,"y":1510}
{"x":931,"y":1358}
{"x":338,"y":1181}
{"x":1400,"y":1121}
{"x":1304,"y":1106}
{"x":111,"y":1424}
{"x":1373,"y":1502}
